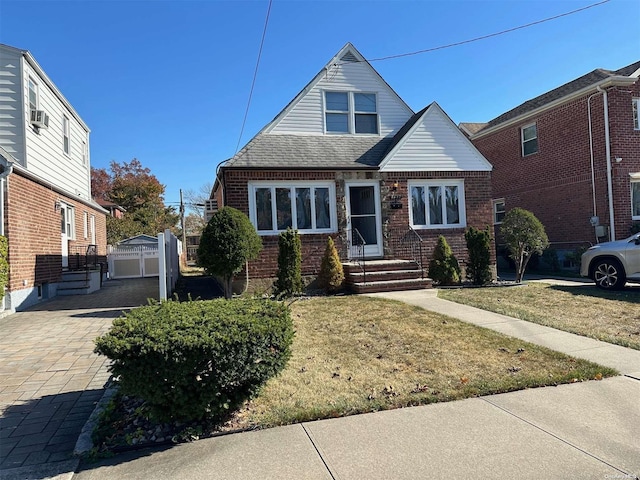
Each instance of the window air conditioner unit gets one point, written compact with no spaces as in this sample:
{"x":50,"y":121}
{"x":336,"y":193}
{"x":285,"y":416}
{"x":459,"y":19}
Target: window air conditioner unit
{"x":39,"y":119}
{"x":210,"y":207}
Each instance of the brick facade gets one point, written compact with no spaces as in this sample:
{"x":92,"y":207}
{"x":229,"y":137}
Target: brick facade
{"x":395,"y":222}
{"x":33,"y":229}
{"x":556,"y":182}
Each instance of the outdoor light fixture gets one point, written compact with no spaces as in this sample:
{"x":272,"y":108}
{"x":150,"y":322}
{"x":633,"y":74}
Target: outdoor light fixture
{"x":57,"y":205}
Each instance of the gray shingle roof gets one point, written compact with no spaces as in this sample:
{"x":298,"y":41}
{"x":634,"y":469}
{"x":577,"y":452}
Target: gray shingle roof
{"x":590,"y":78}
{"x":298,"y":152}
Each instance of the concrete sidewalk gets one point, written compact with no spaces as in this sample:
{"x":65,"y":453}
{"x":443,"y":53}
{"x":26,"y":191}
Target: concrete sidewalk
{"x":50,"y":379}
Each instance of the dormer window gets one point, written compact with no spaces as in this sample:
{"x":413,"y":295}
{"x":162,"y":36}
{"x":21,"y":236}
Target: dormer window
{"x":351,"y":112}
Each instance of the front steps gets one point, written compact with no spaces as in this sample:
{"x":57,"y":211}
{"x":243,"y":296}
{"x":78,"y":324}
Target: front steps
{"x":80,"y":282}
{"x":384,"y":276}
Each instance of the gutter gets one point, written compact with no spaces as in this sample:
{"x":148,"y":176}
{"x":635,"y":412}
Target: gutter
{"x":607,"y":82}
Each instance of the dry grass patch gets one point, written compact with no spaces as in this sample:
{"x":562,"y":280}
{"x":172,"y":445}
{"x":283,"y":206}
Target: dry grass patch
{"x":612,"y":317}
{"x":360,"y":354}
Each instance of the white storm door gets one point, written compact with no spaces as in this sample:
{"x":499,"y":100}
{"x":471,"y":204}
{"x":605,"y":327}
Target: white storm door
{"x":364,"y":221}
{"x":65,"y":233}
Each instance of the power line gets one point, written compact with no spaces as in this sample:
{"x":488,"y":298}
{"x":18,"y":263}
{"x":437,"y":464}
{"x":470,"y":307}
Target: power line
{"x":255,"y":74}
{"x":484,"y":37}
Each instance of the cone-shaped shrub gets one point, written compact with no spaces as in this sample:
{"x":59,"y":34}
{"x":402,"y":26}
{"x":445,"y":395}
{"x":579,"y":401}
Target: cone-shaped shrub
{"x":479,"y":248}
{"x":331,"y":274}
{"x":289,"y":281}
{"x":443,"y":267}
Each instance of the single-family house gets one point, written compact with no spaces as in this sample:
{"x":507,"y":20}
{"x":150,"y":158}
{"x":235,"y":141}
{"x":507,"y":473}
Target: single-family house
{"x":348,"y":158}
{"x":47,"y":213}
{"x":571,"y":156}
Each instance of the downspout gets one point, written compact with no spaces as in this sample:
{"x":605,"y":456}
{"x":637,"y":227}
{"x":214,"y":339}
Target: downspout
{"x":612,"y":228}
{"x":593,"y":174}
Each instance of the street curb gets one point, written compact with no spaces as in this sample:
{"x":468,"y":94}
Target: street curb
{"x":85,"y":441}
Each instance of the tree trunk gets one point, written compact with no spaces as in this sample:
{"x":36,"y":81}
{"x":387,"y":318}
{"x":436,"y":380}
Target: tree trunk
{"x":228,"y":287}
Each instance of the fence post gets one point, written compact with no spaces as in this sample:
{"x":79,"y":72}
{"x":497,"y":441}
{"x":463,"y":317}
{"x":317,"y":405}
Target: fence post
{"x":162,"y":267}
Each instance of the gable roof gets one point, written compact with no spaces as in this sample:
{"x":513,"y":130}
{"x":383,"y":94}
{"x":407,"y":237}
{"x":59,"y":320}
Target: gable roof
{"x":347,"y":54}
{"x":578,"y":87}
{"x":430,"y":141}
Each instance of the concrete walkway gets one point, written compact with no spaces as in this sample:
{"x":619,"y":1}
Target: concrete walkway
{"x":50,"y":379}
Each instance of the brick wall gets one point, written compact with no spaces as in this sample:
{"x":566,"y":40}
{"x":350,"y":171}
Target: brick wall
{"x":395,"y":222}
{"x":32,"y":226}
{"x":556,"y":182}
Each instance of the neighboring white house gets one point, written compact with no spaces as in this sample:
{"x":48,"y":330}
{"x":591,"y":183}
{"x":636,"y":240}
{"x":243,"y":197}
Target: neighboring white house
{"x":48,"y":214}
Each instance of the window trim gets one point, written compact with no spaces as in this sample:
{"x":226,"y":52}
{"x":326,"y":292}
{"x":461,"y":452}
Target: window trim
{"x":66,"y":136}
{"x":495,"y":203}
{"x":253,"y":186}
{"x":85,"y":153}
{"x":351,"y":112}
{"x":85,"y":225}
{"x":635,"y":179}
{"x":522,"y":140}
{"x":31,"y":81}
{"x":635,"y":102}
{"x":426,"y":183}
{"x":92,"y":228}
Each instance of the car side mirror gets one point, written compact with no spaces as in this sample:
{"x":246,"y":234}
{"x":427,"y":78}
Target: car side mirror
{"x":637,"y":242}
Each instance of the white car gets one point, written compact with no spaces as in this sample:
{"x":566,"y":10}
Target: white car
{"x":612,"y":264}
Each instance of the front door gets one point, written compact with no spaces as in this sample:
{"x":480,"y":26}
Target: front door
{"x":65,"y":233}
{"x":364,"y":222}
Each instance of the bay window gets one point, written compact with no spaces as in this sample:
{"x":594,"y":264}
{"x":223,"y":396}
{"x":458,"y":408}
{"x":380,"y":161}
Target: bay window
{"x":437,"y":204}
{"x":308,"y":207}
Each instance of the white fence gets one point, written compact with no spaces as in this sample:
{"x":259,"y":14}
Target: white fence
{"x":133,"y":262}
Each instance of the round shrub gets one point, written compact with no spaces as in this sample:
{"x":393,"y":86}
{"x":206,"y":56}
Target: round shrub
{"x":200,"y":359}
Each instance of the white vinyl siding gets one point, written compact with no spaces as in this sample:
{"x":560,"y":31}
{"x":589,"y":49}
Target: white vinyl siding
{"x":12,"y":109}
{"x":636,"y":114}
{"x":529,"y":137}
{"x":307,"y":115}
{"x":437,"y":204}
{"x":309,"y":207}
{"x":45,"y":155}
{"x":435,"y":144}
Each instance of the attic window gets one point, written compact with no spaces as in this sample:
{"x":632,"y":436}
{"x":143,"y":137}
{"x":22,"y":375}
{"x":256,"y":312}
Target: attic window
{"x":349,"y":57}
{"x":351,"y":112}
{"x":529,"y":136}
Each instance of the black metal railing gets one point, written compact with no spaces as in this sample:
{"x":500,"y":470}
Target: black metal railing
{"x":83,"y":257}
{"x":416,"y":247}
{"x":355,"y":245}
{"x":408,"y":245}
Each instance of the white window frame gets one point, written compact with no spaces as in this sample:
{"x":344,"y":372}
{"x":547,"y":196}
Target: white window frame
{"x":85,"y":225}
{"x":496,"y":202}
{"x":70,"y":221}
{"x":31,"y":82}
{"x":636,"y":113}
{"x":92,"y":228}
{"x":253,"y":214}
{"x":351,"y":113}
{"x":66,"y":136}
{"x":522,"y":140}
{"x":635,"y":180}
{"x":462,"y":214}
{"x":85,"y":153}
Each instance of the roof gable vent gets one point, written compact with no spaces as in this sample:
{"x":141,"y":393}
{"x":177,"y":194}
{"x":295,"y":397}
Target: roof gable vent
{"x":349,"y":57}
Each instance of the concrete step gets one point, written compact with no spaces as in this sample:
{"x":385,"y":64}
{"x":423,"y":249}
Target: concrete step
{"x":391,"y":285}
{"x":64,"y":290}
{"x":384,"y":275}
{"x":380,"y":266}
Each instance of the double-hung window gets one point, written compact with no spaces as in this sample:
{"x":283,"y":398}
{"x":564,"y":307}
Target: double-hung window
{"x":33,"y":95}
{"x":636,"y":116}
{"x":437,"y":204}
{"x":308,"y":207}
{"x":66,"y":139}
{"x":635,"y":196}
{"x":351,"y":112}
{"x":499,"y":210}
{"x":529,"y":136}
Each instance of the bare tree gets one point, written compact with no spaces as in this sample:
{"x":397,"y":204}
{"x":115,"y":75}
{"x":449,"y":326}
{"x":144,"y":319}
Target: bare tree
{"x":196,"y":199}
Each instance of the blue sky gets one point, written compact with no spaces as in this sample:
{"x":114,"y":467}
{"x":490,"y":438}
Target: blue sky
{"x":167,"y":82}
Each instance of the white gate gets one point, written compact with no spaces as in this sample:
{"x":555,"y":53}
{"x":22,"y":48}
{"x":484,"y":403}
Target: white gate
{"x":133,"y":262}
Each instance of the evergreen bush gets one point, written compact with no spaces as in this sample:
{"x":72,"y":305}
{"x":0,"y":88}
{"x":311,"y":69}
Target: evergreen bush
{"x":199,"y":359}
{"x":289,"y":280}
{"x":443,"y":267}
{"x":4,"y":264}
{"x":331,"y":274}
{"x":479,"y":248}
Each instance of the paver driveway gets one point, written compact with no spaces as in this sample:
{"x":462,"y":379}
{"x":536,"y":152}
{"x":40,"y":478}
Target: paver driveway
{"x":50,"y":379}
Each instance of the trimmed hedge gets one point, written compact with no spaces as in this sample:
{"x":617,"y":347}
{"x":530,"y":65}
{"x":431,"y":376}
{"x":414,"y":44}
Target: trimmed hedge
{"x":199,"y":359}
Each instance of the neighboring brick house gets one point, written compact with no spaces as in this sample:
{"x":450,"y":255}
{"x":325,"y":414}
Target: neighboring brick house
{"x":346,"y":155}
{"x":47,"y":213}
{"x":551,"y":156}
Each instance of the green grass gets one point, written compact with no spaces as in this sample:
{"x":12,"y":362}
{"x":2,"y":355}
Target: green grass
{"x":610,"y":316}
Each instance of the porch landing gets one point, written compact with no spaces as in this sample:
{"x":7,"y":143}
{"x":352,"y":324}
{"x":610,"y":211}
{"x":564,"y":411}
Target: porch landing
{"x":373,"y":276}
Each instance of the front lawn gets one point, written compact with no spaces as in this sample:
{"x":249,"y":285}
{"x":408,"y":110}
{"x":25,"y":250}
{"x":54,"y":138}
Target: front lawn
{"x":612,"y":317}
{"x":357,"y":354}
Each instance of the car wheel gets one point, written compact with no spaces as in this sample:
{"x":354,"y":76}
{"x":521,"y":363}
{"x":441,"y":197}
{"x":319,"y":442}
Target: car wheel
{"x":608,"y":274}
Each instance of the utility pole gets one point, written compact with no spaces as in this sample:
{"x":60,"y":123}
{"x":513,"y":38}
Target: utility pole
{"x":184,"y":237}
